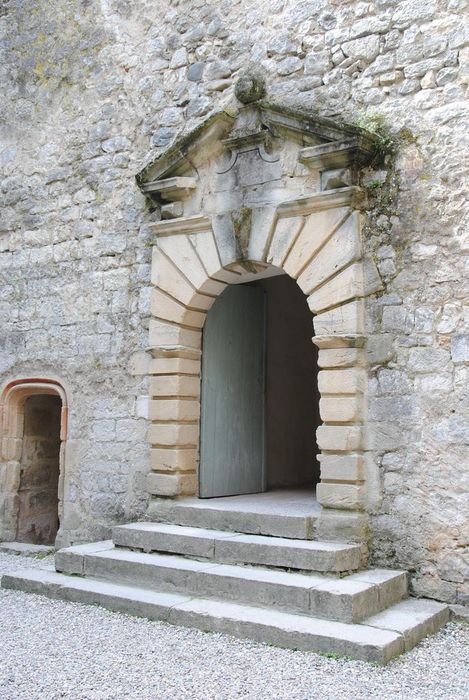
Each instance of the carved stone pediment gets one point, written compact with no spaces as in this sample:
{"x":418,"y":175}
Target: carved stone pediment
{"x":268,"y":141}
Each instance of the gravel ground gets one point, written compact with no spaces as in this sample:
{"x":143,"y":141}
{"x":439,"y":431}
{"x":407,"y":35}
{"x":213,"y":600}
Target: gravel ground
{"x":52,"y":650}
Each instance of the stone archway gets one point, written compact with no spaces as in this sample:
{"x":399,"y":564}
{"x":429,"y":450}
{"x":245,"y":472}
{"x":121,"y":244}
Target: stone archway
{"x":263,"y":189}
{"x":12,"y":421}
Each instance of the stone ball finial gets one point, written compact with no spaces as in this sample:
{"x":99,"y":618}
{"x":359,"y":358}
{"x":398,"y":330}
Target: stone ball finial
{"x":250,"y":87}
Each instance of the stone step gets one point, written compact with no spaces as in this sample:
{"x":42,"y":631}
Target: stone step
{"x":236,"y":548}
{"x":25,"y":549}
{"x":379,"y":640}
{"x":258,"y":514}
{"x":348,"y":599}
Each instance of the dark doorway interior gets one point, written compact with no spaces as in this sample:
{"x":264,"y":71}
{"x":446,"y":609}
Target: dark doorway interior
{"x":38,"y":520}
{"x":260,"y":399}
{"x":292,"y":400}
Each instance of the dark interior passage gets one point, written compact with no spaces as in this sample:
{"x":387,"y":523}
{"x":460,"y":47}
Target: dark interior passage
{"x":38,"y":493}
{"x":292,"y":397}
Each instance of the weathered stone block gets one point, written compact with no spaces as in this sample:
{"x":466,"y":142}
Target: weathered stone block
{"x":177,"y":434}
{"x":393,"y":408}
{"x":316,"y":230}
{"x":428,"y":359}
{"x":460,"y":348}
{"x":174,"y":365}
{"x":172,"y":484}
{"x":165,"y":274}
{"x":162,"y":334}
{"x":164,"y":307}
{"x":346,"y":319}
{"x":174,"y":385}
{"x":339,"y":438}
{"x":342,"y":248}
{"x":332,"y":358}
{"x":348,"y":467}
{"x":339,"y":409}
{"x":173,"y":459}
{"x":342,"y":381}
{"x":173,"y":409}
{"x":343,"y":496}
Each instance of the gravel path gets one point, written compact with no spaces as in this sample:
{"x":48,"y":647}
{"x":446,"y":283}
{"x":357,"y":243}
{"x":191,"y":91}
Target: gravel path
{"x":52,"y":650}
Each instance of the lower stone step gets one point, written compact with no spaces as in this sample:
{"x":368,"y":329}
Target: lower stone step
{"x":236,"y":548}
{"x":348,"y":599}
{"x":25,"y":549}
{"x":379,"y":640}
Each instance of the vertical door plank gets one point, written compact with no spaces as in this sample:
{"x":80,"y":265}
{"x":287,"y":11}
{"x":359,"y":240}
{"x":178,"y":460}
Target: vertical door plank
{"x":232,"y":449}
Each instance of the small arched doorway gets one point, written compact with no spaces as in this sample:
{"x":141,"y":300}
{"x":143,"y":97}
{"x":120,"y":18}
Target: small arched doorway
{"x":38,"y":500}
{"x":259,"y":401}
{"x":33,"y":422}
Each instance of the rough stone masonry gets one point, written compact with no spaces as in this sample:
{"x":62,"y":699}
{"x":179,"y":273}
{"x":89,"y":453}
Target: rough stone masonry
{"x":93,"y":89}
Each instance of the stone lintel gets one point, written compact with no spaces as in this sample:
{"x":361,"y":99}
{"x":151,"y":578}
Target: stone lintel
{"x":353,"y":196}
{"x":185,"y":225}
{"x":339,"y":341}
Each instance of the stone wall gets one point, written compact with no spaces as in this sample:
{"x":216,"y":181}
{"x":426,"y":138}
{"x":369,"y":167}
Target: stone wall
{"x":95,"y":88}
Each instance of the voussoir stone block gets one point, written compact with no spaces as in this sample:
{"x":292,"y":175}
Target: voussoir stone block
{"x":318,"y":226}
{"x":167,"y":276}
{"x":181,"y":252}
{"x":341,"y":249}
{"x":286,"y":231}
{"x":345,"y":286}
{"x":166,"y":308}
{"x":162,"y":333}
{"x":206,"y":247}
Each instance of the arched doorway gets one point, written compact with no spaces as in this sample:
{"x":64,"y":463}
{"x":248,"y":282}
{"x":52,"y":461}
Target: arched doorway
{"x":259,"y":401}
{"x":33,"y":421}
{"x":38,"y":515}
{"x":259,"y":189}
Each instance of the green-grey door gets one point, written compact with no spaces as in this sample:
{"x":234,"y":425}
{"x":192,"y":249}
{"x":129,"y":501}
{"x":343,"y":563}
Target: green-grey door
{"x":232,"y":439}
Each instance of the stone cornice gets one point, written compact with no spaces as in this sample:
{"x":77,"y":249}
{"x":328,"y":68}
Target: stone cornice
{"x":186,"y":225}
{"x":171,"y":188}
{"x":354,"y":152}
{"x":344,"y":196}
{"x":299,"y":124}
